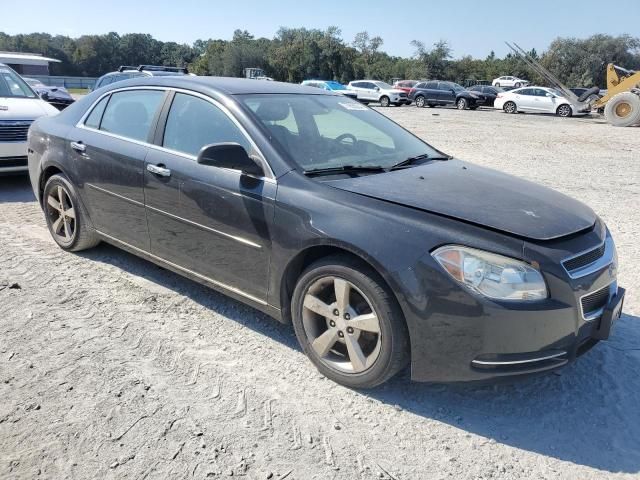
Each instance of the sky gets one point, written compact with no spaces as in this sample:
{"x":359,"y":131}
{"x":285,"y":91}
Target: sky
{"x":472,"y":27}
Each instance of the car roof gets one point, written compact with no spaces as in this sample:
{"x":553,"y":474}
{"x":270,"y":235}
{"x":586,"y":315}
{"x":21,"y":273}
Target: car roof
{"x":223,"y":85}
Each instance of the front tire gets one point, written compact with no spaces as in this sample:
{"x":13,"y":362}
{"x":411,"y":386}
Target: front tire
{"x":623,"y":110}
{"x":462,"y":104}
{"x":348,"y":323}
{"x":510,"y":107}
{"x":518,"y":85}
{"x":67,"y":220}
{"x":384,"y":101}
{"x":564,"y":110}
{"x":497,"y":85}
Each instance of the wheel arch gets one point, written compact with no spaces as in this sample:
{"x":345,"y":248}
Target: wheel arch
{"x":310,"y":254}
{"x":45,"y":175}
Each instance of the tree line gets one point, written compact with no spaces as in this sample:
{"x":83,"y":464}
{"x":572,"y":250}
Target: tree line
{"x":295,"y":54}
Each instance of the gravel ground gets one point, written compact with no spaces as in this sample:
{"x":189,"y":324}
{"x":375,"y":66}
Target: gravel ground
{"x":111,"y":367}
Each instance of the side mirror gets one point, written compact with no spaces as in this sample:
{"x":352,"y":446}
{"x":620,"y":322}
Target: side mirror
{"x":377,"y":89}
{"x":549,"y":95}
{"x":44,"y":96}
{"x":229,"y":155}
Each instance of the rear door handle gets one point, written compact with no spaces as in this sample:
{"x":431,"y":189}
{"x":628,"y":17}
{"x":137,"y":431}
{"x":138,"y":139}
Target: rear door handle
{"x":79,"y":147}
{"x":159,"y":170}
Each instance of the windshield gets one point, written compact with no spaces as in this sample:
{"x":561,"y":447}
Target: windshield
{"x":383,"y":85}
{"x":335,"y":86}
{"x":556,"y":92}
{"x":318,"y":132}
{"x":456,"y":87}
{"x":33,"y":82}
{"x":12,"y":85}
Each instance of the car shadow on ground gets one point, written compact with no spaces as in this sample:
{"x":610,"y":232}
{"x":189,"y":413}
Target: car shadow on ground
{"x":586,"y":414}
{"x":16,"y":188}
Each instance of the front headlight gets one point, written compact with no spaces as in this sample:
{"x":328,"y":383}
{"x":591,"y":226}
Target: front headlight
{"x":492,"y":275}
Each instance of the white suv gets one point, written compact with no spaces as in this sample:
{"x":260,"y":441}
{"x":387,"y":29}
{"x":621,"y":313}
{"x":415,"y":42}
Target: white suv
{"x":508,"y":81}
{"x":19,"y":107}
{"x":379,"y":92}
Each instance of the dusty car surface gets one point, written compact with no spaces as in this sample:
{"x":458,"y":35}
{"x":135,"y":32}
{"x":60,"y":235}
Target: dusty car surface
{"x":319,"y":211}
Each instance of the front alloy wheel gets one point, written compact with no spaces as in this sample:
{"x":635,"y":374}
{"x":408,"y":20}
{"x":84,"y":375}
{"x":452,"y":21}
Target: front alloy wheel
{"x":462,"y":104}
{"x":348,"y":323}
{"x":384,"y":102}
{"x":345,"y":333}
{"x":564,"y":111}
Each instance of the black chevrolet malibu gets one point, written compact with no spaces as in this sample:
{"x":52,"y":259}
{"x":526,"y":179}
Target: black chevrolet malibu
{"x":381,"y":250}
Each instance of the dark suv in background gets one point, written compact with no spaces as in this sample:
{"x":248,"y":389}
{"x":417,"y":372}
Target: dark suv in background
{"x":438,"y":93}
{"x":126,"y":72}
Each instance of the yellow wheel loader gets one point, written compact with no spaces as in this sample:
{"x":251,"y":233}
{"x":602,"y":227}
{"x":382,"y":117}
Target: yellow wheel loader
{"x":622,"y":102}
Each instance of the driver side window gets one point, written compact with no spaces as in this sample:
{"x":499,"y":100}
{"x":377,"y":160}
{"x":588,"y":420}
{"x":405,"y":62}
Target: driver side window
{"x":337,"y":123}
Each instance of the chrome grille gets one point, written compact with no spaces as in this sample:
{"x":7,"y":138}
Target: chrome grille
{"x":11,"y":131}
{"x":584,"y":259}
{"x":593,"y":303}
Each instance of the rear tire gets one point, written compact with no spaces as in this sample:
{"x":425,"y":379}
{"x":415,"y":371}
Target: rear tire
{"x":384,"y":101}
{"x":623,"y":110}
{"x":420,"y":101}
{"x":67,"y":220}
{"x":510,"y":107}
{"x":357,"y":354}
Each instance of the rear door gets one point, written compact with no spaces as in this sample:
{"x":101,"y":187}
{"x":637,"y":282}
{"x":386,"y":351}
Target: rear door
{"x":211,"y":221}
{"x":108,"y":151}
{"x":431,"y":92}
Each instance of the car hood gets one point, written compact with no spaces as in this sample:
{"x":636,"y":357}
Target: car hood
{"x":477,"y":195}
{"x":54,"y":92}
{"x":24,"y":108}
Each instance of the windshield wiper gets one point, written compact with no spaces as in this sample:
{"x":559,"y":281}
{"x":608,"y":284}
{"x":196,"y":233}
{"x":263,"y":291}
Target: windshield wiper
{"x":344,"y":169}
{"x":411,"y":160}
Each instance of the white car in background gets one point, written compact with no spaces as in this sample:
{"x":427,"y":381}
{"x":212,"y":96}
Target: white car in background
{"x":508,"y":81}
{"x":375,"y":91}
{"x":19,"y":107}
{"x":537,"y":100}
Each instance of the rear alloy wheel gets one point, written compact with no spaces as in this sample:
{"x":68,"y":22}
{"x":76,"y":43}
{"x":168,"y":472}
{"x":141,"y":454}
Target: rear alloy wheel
{"x":462,"y":104}
{"x":67,"y":220}
{"x":510,"y":107}
{"x":420,"y":101}
{"x":348,"y":324}
{"x":384,"y":101}
{"x":564,"y":110}
{"x":623,"y":110}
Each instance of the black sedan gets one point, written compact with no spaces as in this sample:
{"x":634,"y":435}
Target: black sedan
{"x":321,"y":212}
{"x":488,"y":92}
{"x":438,"y":93}
{"x":59,"y":97}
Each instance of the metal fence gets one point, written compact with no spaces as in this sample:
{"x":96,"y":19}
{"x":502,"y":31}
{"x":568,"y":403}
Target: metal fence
{"x":67,"y":82}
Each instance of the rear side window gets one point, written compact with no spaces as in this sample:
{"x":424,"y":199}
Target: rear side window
{"x":93,"y":120}
{"x":130,"y":114}
{"x":193,"y":123}
{"x":433,"y":85}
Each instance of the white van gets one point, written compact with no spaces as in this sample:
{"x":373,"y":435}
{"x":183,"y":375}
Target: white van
{"x":19,"y":107}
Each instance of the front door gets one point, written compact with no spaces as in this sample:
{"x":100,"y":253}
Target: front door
{"x":209,"y":220}
{"x":108,"y":152}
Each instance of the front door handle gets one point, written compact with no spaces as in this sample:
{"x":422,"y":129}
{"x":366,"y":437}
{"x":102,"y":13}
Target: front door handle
{"x":159,"y":170}
{"x":79,"y":147}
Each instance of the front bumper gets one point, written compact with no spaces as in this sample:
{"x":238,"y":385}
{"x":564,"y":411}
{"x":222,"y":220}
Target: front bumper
{"x":458,"y":336}
{"x":13,"y":157}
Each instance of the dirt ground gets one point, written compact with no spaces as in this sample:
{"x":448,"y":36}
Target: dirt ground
{"x":111,"y":367}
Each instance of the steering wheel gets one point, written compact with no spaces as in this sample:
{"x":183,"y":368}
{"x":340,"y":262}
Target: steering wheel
{"x":345,"y":136}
